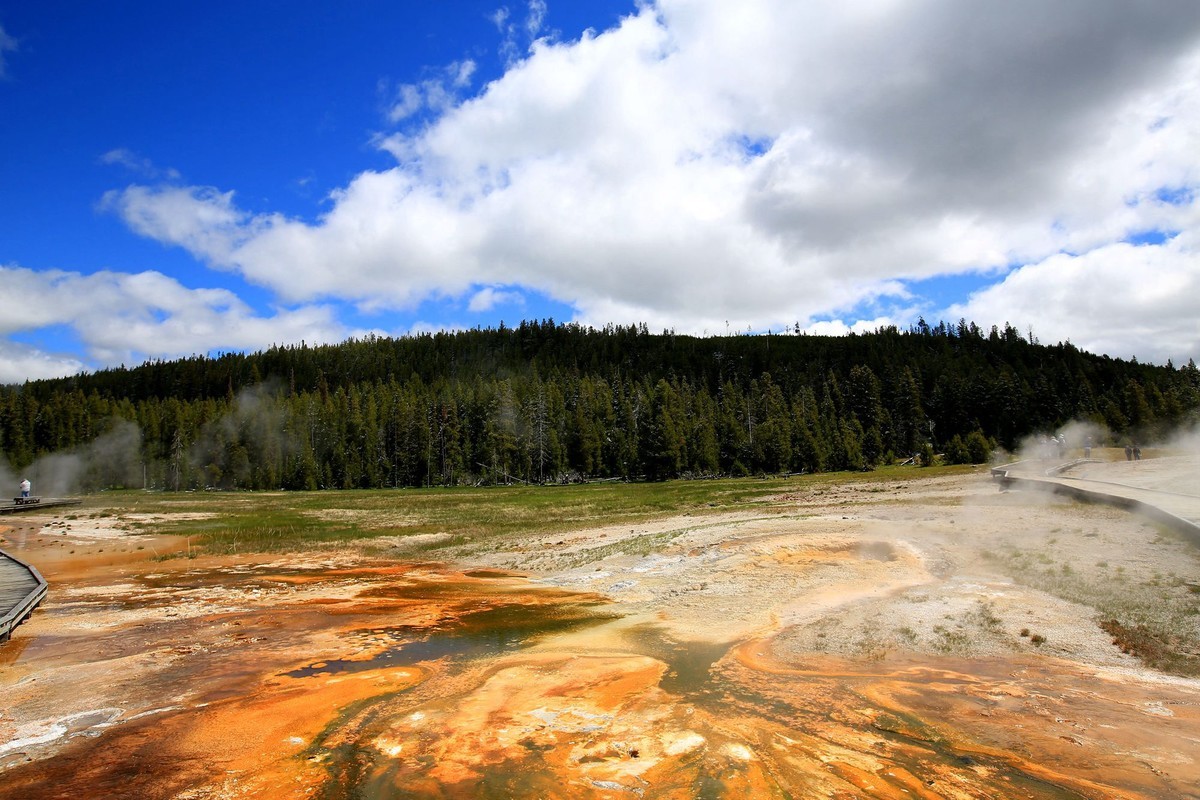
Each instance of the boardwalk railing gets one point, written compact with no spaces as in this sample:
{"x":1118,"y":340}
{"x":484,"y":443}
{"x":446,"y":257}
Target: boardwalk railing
{"x":1010,"y":478}
{"x":26,"y":588}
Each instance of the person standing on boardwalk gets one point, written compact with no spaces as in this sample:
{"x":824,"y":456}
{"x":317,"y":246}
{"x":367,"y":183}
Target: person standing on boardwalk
{"x":25,"y":487}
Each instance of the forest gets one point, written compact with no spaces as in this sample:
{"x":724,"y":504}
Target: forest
{"x":548,"y":402}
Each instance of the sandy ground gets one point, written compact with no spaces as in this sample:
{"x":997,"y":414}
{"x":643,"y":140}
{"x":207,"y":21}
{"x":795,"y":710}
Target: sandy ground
{"x":934,"y":638}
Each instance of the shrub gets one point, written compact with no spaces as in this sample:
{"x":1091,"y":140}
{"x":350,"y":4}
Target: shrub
{"x":979,"y":449}
{"x":956,"y":451}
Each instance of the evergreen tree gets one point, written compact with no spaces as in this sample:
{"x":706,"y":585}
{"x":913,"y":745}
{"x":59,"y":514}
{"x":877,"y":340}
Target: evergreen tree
{"x":661,"y":434}
{"x":545,"y":400}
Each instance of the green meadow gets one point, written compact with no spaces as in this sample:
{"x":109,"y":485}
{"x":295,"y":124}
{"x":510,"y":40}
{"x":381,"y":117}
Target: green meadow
{"x":273,"y":522}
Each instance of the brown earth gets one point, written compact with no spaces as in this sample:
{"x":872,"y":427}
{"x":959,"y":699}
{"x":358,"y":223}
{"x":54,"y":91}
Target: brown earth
{"x":935,"y":639}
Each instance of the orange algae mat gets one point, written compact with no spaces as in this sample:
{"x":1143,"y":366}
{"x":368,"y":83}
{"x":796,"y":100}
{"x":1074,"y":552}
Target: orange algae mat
{"x":222,"y":678}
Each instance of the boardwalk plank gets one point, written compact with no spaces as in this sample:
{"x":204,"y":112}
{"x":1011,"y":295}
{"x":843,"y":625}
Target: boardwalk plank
{"x":18,"y":585}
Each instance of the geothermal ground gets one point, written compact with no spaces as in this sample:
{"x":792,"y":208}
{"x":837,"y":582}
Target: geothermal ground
{"x":926,"y":638}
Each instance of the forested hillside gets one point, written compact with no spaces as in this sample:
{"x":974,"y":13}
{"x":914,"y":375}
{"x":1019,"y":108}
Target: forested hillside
{"x":548,"y":402}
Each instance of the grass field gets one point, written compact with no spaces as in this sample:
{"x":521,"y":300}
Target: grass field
{"x":222,"y":522}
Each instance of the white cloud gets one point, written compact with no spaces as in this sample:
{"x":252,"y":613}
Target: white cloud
{"x":127,"y":318}
{"x":408,"y":101}
{"x":7,"y":45}
{"x":20,"y":362}
{"x":1119,"y":299}
{"x":436,"y":94}
{"x":489,"y":297}
{"x":529,"y":30}
{"x":127,"y":159}
{"x":838,"y":327}
{"x":500,"y":18}
{"x":785,"y":163}
{"x":201,"y":219}
{"x":139,"y":165}
{"x":461,"y":72}
{"x":536,"y":18}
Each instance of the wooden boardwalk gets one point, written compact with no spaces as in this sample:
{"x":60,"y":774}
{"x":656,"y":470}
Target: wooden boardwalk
{"x":1178,"y":510}
{"x":22,"y":588}
{"x":11,"y":507}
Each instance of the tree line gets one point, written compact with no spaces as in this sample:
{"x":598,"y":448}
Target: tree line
{"x":547,"y":402}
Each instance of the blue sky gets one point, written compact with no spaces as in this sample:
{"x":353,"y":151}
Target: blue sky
{"x":278,"y":100}
{"x":198,"y":177}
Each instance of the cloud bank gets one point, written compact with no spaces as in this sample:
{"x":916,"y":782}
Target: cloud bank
{"x":122,"y":318}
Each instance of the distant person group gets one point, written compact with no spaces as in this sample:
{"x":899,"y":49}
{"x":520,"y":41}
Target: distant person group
{"x":1052,"y":446}
{"x":1055,"y":446}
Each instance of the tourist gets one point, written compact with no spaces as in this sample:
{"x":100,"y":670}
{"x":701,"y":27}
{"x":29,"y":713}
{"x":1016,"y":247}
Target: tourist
{"x":25,"y":487}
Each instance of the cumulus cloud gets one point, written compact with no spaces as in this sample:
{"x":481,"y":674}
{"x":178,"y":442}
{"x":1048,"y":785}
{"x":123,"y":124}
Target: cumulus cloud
{"x":790,"y":162}
{"x":201,"y":219}
{"x":1099,"y":300}
{"x":126,"y":318}
{"x":20,"y":362}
